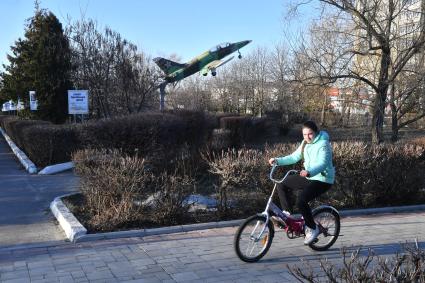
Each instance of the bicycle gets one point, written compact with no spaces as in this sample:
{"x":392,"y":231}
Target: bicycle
{"x":255,"y":235}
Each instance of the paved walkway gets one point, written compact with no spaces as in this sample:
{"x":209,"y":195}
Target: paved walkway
{"x":24,"y":202}
{"x":33,"y":247}
{"x":199,"y":256}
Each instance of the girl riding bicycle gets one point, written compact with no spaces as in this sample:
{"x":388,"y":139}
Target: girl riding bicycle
{"x":316,"y":178}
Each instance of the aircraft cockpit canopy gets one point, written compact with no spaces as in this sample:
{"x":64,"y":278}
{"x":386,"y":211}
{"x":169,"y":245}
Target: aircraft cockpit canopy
{"x":220,"y":46}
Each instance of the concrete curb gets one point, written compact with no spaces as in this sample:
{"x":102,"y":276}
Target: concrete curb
{"x":381,"y":210}
{"x":30,"y":166}
{"x":56,"y":168}
{"x":26,"y":162}
{"x":77,"y":233}
{"x":72,"y":227}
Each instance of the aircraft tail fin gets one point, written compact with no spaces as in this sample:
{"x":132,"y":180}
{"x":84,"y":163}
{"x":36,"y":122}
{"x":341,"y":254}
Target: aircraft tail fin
{"x":168,"y":66}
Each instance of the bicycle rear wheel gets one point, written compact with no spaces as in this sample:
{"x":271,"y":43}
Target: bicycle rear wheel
{"x":329,"y":223}
{"x":253,"y":238}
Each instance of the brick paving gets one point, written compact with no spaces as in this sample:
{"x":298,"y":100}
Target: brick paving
{"x":198,"y":256}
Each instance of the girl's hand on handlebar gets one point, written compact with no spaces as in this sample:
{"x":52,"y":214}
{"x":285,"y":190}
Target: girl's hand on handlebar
{"x":304,"y":173}
{"x":272,"y":161}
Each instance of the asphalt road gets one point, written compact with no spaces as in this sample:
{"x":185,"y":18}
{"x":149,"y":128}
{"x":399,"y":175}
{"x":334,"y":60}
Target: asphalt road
{"x":25,"y":217}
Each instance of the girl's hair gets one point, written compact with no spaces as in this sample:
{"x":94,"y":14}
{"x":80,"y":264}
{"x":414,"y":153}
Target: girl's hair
{"x":311,"y":125}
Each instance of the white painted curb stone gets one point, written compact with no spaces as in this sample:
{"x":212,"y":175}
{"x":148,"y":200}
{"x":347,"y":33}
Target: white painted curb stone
{"x":26,"y":162}
{"x":56,"y":168}
{"x":72,"y":227}
{"x":77,"y":233}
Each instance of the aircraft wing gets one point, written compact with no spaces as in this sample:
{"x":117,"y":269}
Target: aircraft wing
{"x":212,"y":66}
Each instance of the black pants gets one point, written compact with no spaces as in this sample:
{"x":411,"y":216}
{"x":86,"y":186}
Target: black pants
{"x":311,"y":189}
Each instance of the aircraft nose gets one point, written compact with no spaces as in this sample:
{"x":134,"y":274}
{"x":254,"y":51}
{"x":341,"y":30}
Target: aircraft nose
{"x":241,"y":44}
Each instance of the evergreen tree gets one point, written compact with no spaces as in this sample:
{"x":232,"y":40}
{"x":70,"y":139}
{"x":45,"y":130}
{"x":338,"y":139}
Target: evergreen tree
{"x":41,"y":62}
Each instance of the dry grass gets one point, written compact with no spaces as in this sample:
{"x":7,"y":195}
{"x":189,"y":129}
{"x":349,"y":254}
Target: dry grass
{"x":403,"y":267}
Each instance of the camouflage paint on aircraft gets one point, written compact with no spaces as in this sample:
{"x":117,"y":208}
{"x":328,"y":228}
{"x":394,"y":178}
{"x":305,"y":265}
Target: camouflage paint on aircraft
{"x":208,"y":61}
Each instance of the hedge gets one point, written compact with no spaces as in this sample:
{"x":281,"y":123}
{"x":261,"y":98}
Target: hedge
{"x":159,"y":136}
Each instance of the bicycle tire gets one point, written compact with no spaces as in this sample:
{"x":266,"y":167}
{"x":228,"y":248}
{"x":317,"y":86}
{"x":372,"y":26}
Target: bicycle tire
{"x":246,"y":230}
{"x":333,"y":227}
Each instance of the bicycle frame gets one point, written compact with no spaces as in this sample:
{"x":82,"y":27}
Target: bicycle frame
{"x":254,"y":247}
{"x":294,"y":225}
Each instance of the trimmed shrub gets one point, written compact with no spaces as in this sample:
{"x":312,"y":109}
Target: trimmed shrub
{"x":159,"y":137}
{"x":220,"y":140}
{"x":50,"y":144}
{"x":198,"y":125}
{"x":5,"y":118}
{"x":241,"y":181}
{"x":238,"y":127}
{"x":135,"y":133}
{"x":244,"y":130}
{"x":370,"y":176}
{"x":16,"y":129}
{"x":168,"y":206}
{"x":419,"y":141}
{"x":216,"y":118}
{"x":365,"y":176}
{"x":113,"y":186}
{"x":282,"y":121}
{"x":120,"y":191}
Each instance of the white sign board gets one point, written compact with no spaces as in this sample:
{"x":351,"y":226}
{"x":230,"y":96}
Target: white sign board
{"x":33,"y":101}
{"x":5,"y":106}
{"x":11,"y":106}
{"x":20,"y":106}
{"x":78,"y":102}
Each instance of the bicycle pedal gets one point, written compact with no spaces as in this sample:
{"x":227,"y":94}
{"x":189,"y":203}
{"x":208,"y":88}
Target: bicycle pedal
{"x":278,"y":222}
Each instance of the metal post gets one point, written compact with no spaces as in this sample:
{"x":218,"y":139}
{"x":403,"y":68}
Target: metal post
{"x":162,"y":96}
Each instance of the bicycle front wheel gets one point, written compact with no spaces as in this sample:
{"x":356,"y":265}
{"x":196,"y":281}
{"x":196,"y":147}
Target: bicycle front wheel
{"x":328,"y":220}
{"x":253,"y":238}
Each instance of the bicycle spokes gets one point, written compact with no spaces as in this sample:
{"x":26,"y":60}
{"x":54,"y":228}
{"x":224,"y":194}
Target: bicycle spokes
{"x":327,"y":218}
{"x":253,"y":238}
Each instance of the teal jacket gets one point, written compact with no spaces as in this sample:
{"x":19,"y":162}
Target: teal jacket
{"x":317,"y":159}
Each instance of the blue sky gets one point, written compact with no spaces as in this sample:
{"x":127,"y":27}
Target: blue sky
{"x":160,"y":27}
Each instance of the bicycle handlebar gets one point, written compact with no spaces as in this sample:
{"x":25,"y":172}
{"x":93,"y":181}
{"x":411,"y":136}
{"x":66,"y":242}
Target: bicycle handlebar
{"x":283,"y":179}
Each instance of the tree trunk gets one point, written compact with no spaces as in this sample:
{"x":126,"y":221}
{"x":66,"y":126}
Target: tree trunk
{"x":343,"y":110}
{"x":323,"y":114}
{"x":394,"y":119}
{"x":394,"y":122}
{"x":378,"y":119}
{"x":348,"y":117}
{"x":381,"y":97}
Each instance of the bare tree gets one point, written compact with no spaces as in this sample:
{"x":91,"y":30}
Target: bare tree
{"x":260,"y":76}
{"x":120,"y":79}
{"x":136,"y":79}
{"x":286,"y":98}
{"x":367,"y":49}
{"x":193,"y":93}
{"x":317,"y":57}
{"x":226,"y":89}
{"x":407,"y":95}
